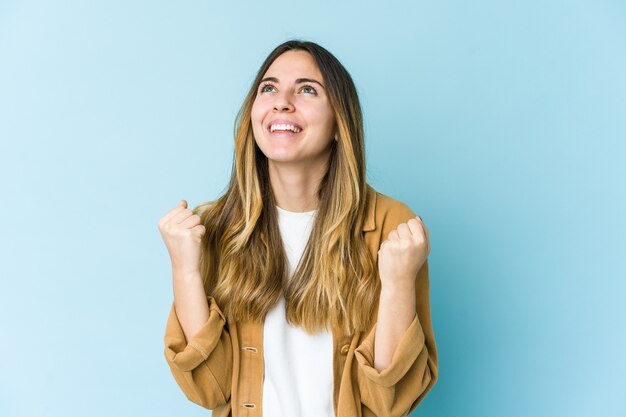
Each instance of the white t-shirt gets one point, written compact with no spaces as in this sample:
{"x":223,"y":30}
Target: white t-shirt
{"x":298,"y":379}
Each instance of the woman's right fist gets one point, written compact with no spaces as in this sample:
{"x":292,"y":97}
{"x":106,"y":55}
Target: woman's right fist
{"x":182,"y":233}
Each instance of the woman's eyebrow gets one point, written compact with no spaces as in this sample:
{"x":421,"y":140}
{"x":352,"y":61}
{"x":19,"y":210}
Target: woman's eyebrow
{"x":298,"y":80}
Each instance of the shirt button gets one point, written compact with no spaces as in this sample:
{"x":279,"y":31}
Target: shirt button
{"x":249,"y":349}
{"x":345,"y":349}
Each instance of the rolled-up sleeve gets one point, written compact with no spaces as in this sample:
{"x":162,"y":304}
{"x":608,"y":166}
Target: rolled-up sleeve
{"x":203,"y":366}
{"x":399,"y":388}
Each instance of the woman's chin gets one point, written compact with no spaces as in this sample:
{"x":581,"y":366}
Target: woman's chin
{"x":282,"y":157}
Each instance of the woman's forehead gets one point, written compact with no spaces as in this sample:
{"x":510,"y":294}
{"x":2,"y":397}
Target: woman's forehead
{"x":293,"y":64}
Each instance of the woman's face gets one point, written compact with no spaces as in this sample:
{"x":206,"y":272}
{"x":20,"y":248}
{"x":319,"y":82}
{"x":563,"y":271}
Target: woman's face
{"x":292,"y":93}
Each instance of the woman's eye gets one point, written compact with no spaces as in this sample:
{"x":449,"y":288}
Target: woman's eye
{"x":312,"y":89}
{"x":264,"y":86}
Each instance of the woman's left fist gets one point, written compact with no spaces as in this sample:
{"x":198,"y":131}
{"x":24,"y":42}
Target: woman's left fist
{"x":403,"y":253}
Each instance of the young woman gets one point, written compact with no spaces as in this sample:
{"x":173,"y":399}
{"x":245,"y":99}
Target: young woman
{"x":301,"y":291}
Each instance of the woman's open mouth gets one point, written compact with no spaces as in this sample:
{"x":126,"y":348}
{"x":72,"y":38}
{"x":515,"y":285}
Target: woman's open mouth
{"x":284,"y":130}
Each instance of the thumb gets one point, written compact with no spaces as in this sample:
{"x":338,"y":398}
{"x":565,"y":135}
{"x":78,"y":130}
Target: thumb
{"x":183,"y":203}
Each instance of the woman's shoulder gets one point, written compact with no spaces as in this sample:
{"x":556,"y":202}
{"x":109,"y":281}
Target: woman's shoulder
{"x":389,"y":211}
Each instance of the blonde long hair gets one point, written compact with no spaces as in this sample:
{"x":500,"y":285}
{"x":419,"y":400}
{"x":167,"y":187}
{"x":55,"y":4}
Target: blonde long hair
{"x":243,"y":262}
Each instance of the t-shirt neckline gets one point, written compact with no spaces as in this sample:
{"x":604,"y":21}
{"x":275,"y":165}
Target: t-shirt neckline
{"x":295,"y":213}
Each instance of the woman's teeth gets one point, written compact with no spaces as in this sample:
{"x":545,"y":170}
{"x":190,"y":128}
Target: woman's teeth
{"x":284,"y":128}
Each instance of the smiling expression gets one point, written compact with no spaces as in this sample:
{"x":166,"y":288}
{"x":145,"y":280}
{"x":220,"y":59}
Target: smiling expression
{"x":292,"y":119}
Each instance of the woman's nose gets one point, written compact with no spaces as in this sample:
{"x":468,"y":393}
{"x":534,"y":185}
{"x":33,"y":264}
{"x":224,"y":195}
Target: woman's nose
{"x":283,"y":102}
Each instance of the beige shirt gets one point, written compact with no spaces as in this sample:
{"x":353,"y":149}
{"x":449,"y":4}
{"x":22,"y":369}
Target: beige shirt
{"x":221,"y":368}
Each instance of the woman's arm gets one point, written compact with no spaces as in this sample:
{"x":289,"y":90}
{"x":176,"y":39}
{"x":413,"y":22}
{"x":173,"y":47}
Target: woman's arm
{"x":413,"y":370}
{"x":396,"y":311}
{"x":198,"y":347}
{"x":190,"y":301}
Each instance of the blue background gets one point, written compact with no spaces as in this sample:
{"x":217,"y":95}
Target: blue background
{"x":502,"y":123}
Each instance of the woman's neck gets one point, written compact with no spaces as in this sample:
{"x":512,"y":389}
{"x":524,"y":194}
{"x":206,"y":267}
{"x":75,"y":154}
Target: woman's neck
{"x":295,"y":188}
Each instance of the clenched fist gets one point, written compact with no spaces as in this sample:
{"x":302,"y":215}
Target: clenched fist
{"x":403,"y":253}
{"x":182,"y":233}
